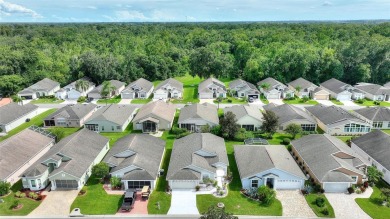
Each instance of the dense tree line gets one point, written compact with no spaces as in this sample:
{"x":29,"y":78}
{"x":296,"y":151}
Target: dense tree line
{"x":253,"y":51}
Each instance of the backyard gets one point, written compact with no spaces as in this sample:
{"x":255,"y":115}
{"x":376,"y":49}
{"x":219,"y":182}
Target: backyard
{"x":190,"y":86}
{"x":373,"y":205}
{"x":311,"y":200}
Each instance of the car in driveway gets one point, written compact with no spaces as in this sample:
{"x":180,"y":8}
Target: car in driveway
{"x":128,"y":200}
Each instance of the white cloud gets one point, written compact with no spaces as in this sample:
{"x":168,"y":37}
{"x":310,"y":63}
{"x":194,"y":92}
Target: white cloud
{"x":92,"y":7}
{"x":9,"y":9}
{"x":190,"y":18}
{"x":327,"y":4}
{"x":130,"y":15}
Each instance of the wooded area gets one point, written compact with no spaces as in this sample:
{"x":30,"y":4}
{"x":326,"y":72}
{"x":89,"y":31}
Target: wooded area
{"x":252,"y":51}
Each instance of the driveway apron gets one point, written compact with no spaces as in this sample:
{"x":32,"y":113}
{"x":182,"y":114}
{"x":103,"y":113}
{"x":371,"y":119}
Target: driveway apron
{"x":183,"y":202}
{"x":294,"y":204}
{"x":56,"y":203}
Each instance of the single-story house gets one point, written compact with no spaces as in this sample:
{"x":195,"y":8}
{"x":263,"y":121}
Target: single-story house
{"x":111,"y":118}
{"x":68,"y":164}
{"x":96,"y":92}
{"x":273,"y":89}
{"x":379,"y":117}
{"x":18,"y":152}
{"x":319,"y":94}
{"x":211,"y":88}
{"x":375,"y":148}
{"x":302,"y":87}
{"x":329,"y":162}
{"x":387,"y":85}
{"x":169,"y":88}
{"x":12,"y":115}
{"x":136,"y":159}
{"x":289,"y":114}
{"x":272,"y":166}
{"x":374,"y":91}
{"x":340,"y":90}
{"x":197,"y":157}
{"x":240,"y":88}
{"x":335,"y":120}
{"x":154,"y":116}
{"x":248,"y":117}
{"x":70,"y":115}
{"x":194,"y":117}
{"x":44,"y":87}
{"x":139,"y":89}
{"x":71,"y":92}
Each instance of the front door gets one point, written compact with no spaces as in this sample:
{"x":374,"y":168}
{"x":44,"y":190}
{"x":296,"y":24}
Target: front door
{"x":270,"y":182}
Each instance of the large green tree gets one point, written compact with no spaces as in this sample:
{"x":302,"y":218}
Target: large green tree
{"x":270,"y":123}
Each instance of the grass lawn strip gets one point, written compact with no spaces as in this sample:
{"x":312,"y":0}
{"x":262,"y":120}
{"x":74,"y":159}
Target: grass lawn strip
{"x":373,"y":205}
{"x":311,"y":201}
{"x":113,"y":100}
{"x":299,"y":101}
{"x":336,"y":102}
{"x":46,"y":101}
{"x":371,"y":103}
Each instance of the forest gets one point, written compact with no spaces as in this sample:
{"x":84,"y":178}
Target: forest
{"x":354,"y":52}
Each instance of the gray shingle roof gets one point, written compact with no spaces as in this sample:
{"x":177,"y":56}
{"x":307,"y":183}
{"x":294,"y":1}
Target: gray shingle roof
{"x":203,"y":86}
{"x":14,"y":111}
{"x":377,"y":145}
{"x":45,"y":84}
{"x":272,"y":83}
{"x":75,"y":112}
{"x":244,"y":110}
{"x":115,"y":113}
{"x":374,"y":89}
{"x":331,"y":114}
{"x":117,"y":84}
{"x":287,"y":112}
{"x":302,"y":83}
{"x":172,"y":82}
{"x":20,"y":149}
{"x":204,"y":111}
{"x":73,"y":84}
{"x":159,"y":109}
{"x":387,"y":85}
{"x":255,"y":159}
{"x":184,"y":154}
{"x":240,"y":82}
{"x":142,"y":84}
{"x":318,"y":153}
{"x":375,"y":113}
{"x":334,"y":85}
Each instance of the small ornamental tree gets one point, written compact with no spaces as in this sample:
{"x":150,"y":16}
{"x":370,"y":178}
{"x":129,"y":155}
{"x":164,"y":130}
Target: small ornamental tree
{"x":266,"y":194}
{"x":270,"y":123}
{"x":4,"y":187}
{"x":217,"y":213}
{"x":100,"y":170}
{"x":373,"y":174}
{"x":229,"y":127}
{"x":293,"y":129}
{"x":115,"y":182}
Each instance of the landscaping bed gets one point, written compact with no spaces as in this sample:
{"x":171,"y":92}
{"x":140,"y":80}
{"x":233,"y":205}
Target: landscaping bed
{"x":373,"y":205}
{"x":321,"y":210}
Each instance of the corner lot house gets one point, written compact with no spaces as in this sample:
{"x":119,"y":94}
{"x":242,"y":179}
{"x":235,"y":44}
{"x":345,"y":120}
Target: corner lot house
{"x":95,"y":93}
{"x":272,"y":166}
{"x":139,"y":89}
{"x":68,"y":164}
{"x":273,"y":89}
{"x":379,"y":117}
{"x":289,"y":114}
{"x":374,"y":91}
{"x":167,"y":89}
{"x":375,"y":148}
{"x":154,"y":116}
{"x":340,"y":90}
{"x":111,"y":118}
{"x":18,"y":152}
{"x":248,"y":117}
{"x":194,"y":117}
{"x":70,"y":116}
{"x":211,"y":88}
{"x":335,"y":120}
{"x":329,"y":162}
{"x":241,"y":88}
{"x":302,"y":87}
{"x":136,"y":159}
{"x":44,"y":87}
{"x":71,"y":92}
{"x":12,"y":115}
{"x":197,"y":157}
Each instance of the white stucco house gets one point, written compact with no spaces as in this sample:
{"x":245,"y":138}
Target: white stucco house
{"x":273,"y":89}
{"x":71,"y":92}
{"x":378,"y":117}
{"x":341,"y":91}
{"x":96,"y":92}
{"x":13,"y":115}
{"x":168,"y":89}
{"x":374,"y":92}
{"x":211,"y":88}
{"x":248,"y":117}
{"x":44,"y":87}
{"x":194,"y":117}
{"x":240,"y":88}
{"x":139,"y":89}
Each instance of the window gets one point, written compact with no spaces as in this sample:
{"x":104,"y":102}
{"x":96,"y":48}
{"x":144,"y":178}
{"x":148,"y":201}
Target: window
{"x":137,"y":184}
{"x":377,"y":124}
{"x":118,"y":127}
{"x":354,"y":178}
{"x":112,"y":128}
{"x":249,"y":127}
{"x":242,"y":94}
{"x":388,"y":125}
{"x":308,"y":127}
{"x":102,"y":128}
{"x":353,"y":127}
{"x":33,"y":183}
{"x":255,"y":183}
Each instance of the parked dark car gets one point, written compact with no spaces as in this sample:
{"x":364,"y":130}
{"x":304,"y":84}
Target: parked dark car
{"x":129,"y":200}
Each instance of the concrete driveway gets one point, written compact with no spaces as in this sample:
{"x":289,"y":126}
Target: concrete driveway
{"x":183,"y":202}
{"x":325,"y":102}
{"x":348,"y":103}
{"x":206,"y":101}
{"x":344,"y":205}
{"x":294,"y":204}
{"x":276,"y":101}
{"x":56,"y":203}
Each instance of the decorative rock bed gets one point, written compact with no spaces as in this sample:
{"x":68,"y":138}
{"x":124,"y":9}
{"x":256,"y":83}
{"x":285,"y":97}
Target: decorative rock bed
{"x":220,"y":205}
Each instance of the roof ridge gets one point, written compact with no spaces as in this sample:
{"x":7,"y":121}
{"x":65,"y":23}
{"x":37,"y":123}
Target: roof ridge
{"x":72,"y":138}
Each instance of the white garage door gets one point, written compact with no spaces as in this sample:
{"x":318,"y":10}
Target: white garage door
{"x":289,"y":184}
{"x":322,"y":97}
{"x":336,"y":187}
{"x":344,"y":97}
{"x":126,"y":96}
{"x":159,"y":96}
{"x":273,"y":96}
{"x":205,"y":96}
{"x":183,"y":184}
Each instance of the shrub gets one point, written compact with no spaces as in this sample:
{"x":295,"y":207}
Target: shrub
{"x":358,"y":191}
{"x":360,"y":101}
{"x":320,"y":202}
{"x":289,"y":148}
{"x":197,"y":188}
{"x":322,"y":190}
{"x":32,"y":195}
{"x":115,"y":182}
{"x":229,"y":101}
{"x":81,"y":99}
{"x":17,"y":194}
{"x":305,"y":99}
{"x":15,"y":204}
{"x":22,"y":195}
{"x":325,"y":211}
{"x":362,"y":188}
{"x":100,"y":170}
{"x":365,"y":184}
{"x":4,"y":187}
{"x":266,"y":194}
{"x":252,"y":192}
{"x":351,"y":190}
{"x":216,"y":130}
{"x":286,"y":141}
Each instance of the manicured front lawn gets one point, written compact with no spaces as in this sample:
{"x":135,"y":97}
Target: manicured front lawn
{"x":190,"y":95}
{"x":373,"y":205}
{"x":386,"y":130}
{"x":232,"y":100}
{"x":37,"y":121}
{"x":311,"y":200}
{"x":235,"y":202}
{"x":113,"y":100}
{"x":46,"y":100}
{"x":371,"y":103}
{"x":28,"y":204}
{"x":299,"y":101}
{"x":336,"y":102}
{"x":344,"y":138}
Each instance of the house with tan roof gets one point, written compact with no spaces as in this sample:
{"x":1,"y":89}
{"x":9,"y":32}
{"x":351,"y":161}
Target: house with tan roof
{"x":70,"y":116}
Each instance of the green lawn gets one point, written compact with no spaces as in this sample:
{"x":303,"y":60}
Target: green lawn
{"x":113,"y":100}
{"x":311,"y":198}
{"x":263,"y":99}
{"x":190,"y":95}
{"x":386,"y":130}
{"x":37,"y":120}
{"x":235,"y":202}
{"x":67,"y":131}
{"x":344,"y":138}
{"x":142,"y":101}
{"x":372,"y":206}
{"x":28,"y":204}
{"x":232,"y":100}
{"x":277,"y":138}
{"x":46,"y":100}
{"x":371,"y":103}
{"x":114,"y":136}
{"x":299,"y":101}
{"x":336,"y":102}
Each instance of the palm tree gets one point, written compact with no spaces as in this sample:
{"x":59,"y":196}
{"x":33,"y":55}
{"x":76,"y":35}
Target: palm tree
{"x":107,"y":89}
{"x":17,"y":99}
{"x":82,"y":85}
{"x":298,"y":89}
{"x":265,"y":86}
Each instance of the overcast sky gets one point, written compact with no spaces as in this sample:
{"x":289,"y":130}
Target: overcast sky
{"x":192,"y":11}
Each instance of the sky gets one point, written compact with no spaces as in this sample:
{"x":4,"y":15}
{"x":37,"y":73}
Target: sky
{"x":190,"y":11}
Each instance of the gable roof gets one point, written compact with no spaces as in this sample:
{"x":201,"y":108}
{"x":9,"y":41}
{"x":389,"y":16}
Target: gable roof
{"x":157,"y":108}
{"x":117,"y":84}
{"x":75,"y":112}
{"x":142,"y":83}
{"x":203,"y":86}
{"x":318,"y":151}
{"x":184,"y":154}
{"x":20,"y":149}
{"x":240,"y":82}
{"x":375,"y":113}
{"x":45,"y":84}
{"x":172,"y":82}
{"x":272,"y":83}
{"x":73,"y":84}
{"x":203,"y":111}
{"x":13,"y":111}
{"x":302,"y":83}
{"x":287,"y":112}
{"x":331,"y":114}
{"x":255,"y":159}
{"x":334,"y":85}
{"x":244,"y":110}
{"x":377,"y":145}
{"x":374,"y":89}
{"x":387,"y":85}
{"x":116,"y":113}
{"x":144,"y":151}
